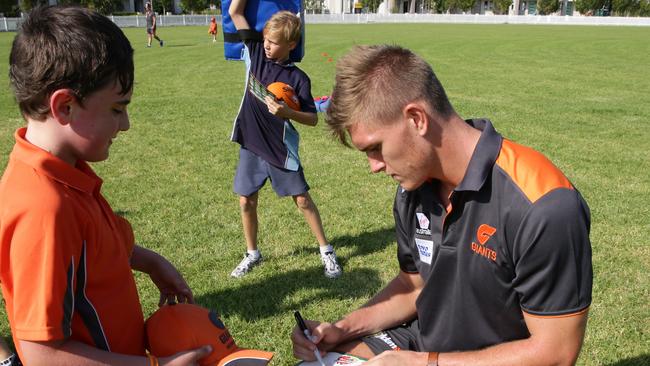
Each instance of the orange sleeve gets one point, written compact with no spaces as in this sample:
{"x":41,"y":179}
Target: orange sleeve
{"x":44,"y":253}
{"x":125,"y":229}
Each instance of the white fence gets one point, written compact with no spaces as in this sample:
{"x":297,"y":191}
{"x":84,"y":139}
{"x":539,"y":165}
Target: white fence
{"x":474,"y":19}
{"x":11,"y":24}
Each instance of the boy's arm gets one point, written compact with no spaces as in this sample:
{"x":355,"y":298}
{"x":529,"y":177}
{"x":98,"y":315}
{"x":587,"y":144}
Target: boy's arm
{"x":236,"y":11}
{"x":281,"y":110}
{"x":69,"y":352}
{"x":164,"y":275}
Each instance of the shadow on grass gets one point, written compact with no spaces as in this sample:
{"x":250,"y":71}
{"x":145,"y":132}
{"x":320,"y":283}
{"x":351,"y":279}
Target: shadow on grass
{"x":363,"y":244}
{"x":367,"y":242}
{"x":268,"y":297}
{"x":642,"y":360}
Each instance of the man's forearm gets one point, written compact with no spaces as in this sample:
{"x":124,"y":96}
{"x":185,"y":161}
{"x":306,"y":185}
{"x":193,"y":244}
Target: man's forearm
{"x":393,"y":305}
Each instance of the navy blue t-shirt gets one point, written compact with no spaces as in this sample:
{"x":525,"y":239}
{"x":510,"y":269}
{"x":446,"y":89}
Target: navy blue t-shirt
{"x":272,"y":138}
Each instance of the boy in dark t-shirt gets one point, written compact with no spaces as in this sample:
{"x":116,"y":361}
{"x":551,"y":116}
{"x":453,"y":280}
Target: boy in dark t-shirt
{"x":269,"y":142}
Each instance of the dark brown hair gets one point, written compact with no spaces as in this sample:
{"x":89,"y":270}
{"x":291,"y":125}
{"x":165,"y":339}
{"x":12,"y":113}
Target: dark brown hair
{"x":67,"y":48}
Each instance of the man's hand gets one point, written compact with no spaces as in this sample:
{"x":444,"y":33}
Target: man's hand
{"x":325,"y":336}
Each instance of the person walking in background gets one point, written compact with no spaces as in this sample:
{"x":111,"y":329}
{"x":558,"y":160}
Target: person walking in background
{"x":151,"y":25}
{"x":213,"y":29}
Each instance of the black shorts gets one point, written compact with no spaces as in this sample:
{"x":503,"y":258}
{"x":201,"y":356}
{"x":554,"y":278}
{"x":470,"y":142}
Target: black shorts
{"x":403,"y":337}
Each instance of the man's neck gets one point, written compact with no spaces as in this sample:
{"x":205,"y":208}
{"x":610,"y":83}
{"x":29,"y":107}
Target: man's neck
{"x":458,"y":143}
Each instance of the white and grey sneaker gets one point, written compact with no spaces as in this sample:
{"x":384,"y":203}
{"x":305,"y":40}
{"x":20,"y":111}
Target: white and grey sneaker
{"x":332,"y":268}
{"x":245,"y":265}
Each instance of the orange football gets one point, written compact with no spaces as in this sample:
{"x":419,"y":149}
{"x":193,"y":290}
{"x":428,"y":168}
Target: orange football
{"x":284,"y":92}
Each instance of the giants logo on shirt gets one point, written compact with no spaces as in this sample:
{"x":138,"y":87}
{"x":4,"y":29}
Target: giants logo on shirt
{"x":483,"y":234}
{"x":423,"y":224}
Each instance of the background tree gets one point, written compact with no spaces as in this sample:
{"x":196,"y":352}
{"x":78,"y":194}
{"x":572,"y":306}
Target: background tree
{"x":9,"y":8}
{"x":105,"y":7}
{"x":162,"y":6}
{"x":440,"y":6}
{"x":502,"y":6}
{"x":546,"y":7}
{"x":584,"y":6}
{"x":191,"y":6}
{"x":371,"y":5}
{"x":457,"y":6}
{"x":626,"y":7}
{"x":314,"y":6}
{"x":644,"y":8}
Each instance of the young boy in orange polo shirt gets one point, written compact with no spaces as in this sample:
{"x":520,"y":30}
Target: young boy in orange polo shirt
{"x":66,"y":258}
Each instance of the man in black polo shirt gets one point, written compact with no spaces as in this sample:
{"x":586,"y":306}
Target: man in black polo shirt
{"x":493,"y":240}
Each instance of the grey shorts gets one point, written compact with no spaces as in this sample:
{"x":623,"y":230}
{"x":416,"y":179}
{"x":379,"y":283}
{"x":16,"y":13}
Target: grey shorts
{"x":252,"y":172}
{"x":403,"y":337}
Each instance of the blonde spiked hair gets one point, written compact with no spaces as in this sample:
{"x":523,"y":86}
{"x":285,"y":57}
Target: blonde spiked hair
{"x":374,"y":83}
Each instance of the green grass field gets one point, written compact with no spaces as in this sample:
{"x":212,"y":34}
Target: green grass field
{"x":580,"y":95}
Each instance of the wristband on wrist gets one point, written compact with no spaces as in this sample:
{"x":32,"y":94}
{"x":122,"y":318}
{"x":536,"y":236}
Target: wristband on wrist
{"x":433,"y":359}
{"x":8,"y":361}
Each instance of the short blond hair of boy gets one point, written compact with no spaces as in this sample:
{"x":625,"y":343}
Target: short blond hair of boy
{"x":285,"y":24}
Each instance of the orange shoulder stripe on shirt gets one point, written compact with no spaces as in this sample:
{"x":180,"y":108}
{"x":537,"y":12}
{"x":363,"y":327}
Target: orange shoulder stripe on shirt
{"x":531,"y":171}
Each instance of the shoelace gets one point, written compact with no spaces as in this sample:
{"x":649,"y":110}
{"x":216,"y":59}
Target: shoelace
{"x":248,"y":260}
{"x":330,"y":260}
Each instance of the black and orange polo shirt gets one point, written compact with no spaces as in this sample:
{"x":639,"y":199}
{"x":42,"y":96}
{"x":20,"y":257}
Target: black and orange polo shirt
{"x":64,"y":255}
{"x":514,"y":239}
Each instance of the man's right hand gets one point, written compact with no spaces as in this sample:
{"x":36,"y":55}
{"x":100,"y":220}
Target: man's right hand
{"x":325,"y":336}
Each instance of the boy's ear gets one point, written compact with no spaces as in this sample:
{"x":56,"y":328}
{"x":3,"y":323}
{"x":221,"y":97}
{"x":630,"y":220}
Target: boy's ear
{"x":62,"y":103}
{"x":292,"y":45}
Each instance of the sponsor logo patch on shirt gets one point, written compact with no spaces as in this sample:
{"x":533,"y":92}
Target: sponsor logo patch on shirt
{"x":425,"y":249}
{"x":423,"y":224}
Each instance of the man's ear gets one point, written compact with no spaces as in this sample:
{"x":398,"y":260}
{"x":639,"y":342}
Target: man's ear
{"x":416,"y":114}
{"x":62,"y":104}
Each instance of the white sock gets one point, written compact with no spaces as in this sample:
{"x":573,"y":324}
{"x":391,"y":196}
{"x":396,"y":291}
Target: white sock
{"x":326,"y":248}
{"x":254,"y":254}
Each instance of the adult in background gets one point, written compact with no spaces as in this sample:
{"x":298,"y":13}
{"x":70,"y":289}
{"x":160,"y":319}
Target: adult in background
{"x":493,"y":240}
{"x":151,"y":25}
